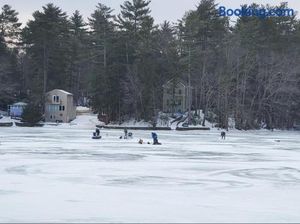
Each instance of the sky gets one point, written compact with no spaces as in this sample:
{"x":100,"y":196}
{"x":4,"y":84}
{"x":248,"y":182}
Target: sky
{"x":170,"y":10}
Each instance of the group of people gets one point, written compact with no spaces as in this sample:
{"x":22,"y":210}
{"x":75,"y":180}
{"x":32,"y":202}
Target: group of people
{"x":154,"y":137}
{"x":96,"y":135}
{"x":127,"y":134}
{"x":141,"y":141}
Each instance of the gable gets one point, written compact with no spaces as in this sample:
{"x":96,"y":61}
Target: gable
{"x":170,"y":84}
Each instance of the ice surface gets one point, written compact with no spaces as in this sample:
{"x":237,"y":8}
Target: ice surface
{"x":59,"y":174}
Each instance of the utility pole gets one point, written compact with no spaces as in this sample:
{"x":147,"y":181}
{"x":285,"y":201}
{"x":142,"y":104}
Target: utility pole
{"x":189,"y":87}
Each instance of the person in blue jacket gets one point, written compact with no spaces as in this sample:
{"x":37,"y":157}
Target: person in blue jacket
{"x":155,"y":139}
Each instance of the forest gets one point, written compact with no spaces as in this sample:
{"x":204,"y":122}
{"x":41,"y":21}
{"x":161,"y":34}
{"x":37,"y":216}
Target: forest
{"x":246,"y":69}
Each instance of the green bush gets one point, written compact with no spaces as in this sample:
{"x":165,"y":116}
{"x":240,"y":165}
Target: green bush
{"x":31,"y":114}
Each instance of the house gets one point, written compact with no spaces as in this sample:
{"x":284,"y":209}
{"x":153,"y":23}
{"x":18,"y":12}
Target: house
{"x":175,"y":96}
{"x":16,"y":110}
{"x":59,"y":106}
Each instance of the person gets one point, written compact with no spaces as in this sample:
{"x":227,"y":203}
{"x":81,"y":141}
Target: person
{"x":155,"y":139}
{"x":223,"y":135}
{"x":97,"y":131}
{"x":125,"y":133}
{"x":96,"y":134}
{"x":141,"y":141}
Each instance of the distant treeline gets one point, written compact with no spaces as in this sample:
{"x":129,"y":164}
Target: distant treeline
{"x":247,"y":69}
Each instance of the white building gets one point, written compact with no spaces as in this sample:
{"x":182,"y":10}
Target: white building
{"x":59,"y":106}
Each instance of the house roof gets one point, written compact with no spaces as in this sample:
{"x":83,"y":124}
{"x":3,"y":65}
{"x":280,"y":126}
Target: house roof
{"x":20,"y":104}
{"x":178,"y":81}
{"x":62,"y":91}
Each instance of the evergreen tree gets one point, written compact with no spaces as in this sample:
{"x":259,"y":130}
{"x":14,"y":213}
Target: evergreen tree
{"x":138,"y":28}
{"x":47,"y":39}
{"x":9,"y":26}
{"x":79,"y":54}
{"x":10,"y":80}
{"x":102,"y":37}
{"x":203,"y":33}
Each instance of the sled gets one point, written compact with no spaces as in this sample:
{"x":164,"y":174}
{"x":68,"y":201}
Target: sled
{"x":96,"y":137}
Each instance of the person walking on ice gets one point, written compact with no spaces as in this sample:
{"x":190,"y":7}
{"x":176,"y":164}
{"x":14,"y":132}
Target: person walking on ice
{"x":223,"y":135}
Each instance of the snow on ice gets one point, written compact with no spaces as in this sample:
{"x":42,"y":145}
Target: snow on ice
{"x":59,"y":174}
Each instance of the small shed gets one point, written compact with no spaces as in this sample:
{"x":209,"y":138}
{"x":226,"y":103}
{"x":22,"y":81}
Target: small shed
{"x":16,"y":109}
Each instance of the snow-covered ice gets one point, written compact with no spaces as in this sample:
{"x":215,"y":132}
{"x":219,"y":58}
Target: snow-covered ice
{"x":59,"y":174}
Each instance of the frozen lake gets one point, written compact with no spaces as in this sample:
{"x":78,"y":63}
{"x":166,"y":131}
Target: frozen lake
{"x":59,"y":174}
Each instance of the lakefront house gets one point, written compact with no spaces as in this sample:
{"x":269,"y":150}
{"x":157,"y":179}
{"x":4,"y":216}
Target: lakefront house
{"x":59,"y":106}
{"x":175,"y":96}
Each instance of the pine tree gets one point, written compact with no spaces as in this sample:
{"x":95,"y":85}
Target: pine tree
{"x":9,"y":26}
{"x":10,"y":80}
{"x":79,"y":54}
{"x":47,"y":38}
{"x":203,"y":33}
{"x":101,"y":40}
{"x":138,"y":26}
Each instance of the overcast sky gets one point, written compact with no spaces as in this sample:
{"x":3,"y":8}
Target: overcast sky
{"x":170,"y":10}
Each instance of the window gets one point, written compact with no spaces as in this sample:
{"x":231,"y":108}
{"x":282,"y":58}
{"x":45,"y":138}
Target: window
{"x":56,"y":99}
{"x":53,"y":108}
{"x":179,"y":91}
{"x":61,"y":108}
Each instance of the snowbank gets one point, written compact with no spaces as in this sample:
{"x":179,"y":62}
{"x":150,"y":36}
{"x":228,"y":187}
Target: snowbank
{"x":6,"y":119}
{"x":81,"y":109}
